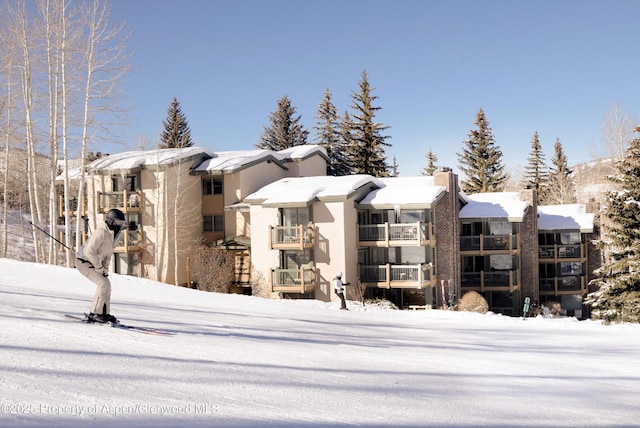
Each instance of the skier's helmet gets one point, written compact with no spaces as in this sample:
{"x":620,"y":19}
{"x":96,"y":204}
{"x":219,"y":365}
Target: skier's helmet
{"x":114,"y":218}
{"x":339,"y":275}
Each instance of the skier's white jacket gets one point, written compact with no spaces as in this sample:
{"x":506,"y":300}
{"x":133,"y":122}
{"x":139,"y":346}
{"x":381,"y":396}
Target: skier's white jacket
{"x":98,"y":249}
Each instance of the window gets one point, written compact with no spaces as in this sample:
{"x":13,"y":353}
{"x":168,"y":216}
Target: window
{"x":295,"y":216}
{"x":213,"y":223}
{"x":212,"y":186}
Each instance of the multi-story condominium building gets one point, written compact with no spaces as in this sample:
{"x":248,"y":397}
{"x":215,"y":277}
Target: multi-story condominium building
{"x":497,"y":243}
{"x":566,"y":255}
{"x":417,"y":241}
{"x":177,"y":199}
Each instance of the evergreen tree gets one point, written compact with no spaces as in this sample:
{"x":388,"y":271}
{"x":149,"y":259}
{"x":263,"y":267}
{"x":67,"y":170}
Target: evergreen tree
{"x":176,"y":133}
{"x":481,"y":160}
{"x":285,"y":131}
{"x":367,"y":150}
{"x":328,"y":135}
{"x":346,"y":141}
{"x":618,"y":279}
{"x":560,"y":189}
{"x":395,"y":169}
{"x":536,"y":173}
{"x":431,"y":167}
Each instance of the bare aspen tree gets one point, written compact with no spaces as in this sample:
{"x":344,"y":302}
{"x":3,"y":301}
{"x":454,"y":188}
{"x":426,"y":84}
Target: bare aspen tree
{"x":184,"y":240}
{"x":618,"y":130}
{"x":105,"y":63}
{"x":23,"y":41}
{"x":6,"y":70}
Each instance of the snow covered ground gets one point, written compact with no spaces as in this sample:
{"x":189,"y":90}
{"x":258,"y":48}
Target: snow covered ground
{"x":243,"y":361}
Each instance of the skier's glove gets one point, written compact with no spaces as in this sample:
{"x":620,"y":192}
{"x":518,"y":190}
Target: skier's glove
{"x":102,"y":271}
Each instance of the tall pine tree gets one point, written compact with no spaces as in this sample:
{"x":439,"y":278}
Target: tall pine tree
{"x":618,"y":279}
{"x":328,"y":135}
{"x":347,"y":142}
{"x":481,"y":160}
{"x":431,"y":167}
{"x":560,"y":189}
{"x":176,"y":132}
{"x":285,"y":130}
{"x":536,"y":173}
{"x":367,"y":149}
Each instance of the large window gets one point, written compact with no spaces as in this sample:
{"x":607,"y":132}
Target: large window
{"x":295,"y":216}
{"x":213,"y":223}
{"x":212,"y":186}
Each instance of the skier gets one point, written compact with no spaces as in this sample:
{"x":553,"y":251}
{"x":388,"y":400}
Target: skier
{"x":93,"y":260}
{"x":338,"y":286}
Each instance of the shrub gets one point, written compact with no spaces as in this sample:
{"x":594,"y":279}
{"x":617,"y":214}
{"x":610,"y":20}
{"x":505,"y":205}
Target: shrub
{"x":213,"y":269}
{"x":473,"y":301}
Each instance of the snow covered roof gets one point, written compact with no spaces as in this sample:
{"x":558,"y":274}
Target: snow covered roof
{"x":495,"y":205}
{"x":136,"y":160}
{"x":233,"y":161}
{"x":301,"y":191}
{"x":565,"y":217}
{"x":416,"y":192}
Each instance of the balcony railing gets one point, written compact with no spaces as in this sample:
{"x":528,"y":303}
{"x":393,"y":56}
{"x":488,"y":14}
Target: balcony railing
{"x":572,"y":251}
{"x":300,"y":280}
{"x":296,"y":237}
{"x":73,"y":207}
{"x":575,"y":284}
{"x":491,"y":281}
{"x":395,"y":234}
{"x":489,"y":243}
{"x":126,"y":200}
{"x":130,"y":239}
{"x":397,"y":276}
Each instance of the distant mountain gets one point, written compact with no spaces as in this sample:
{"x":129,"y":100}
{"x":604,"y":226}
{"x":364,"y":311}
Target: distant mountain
{"x":590,"y":179}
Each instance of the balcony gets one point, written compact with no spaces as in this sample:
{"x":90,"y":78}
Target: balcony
{"x":301,"y":280}
{"x":491,"y":281}
{"x":73,"y":206}
{"x":575,"y":284}
{"x":130,"y":239}
{"x":126,"y":201}
{"x":396,"y":235}
{"x":561,"y":252}
{"x":489,"y":244}
{"x":296,"y":237}
{"x":397,"y":276}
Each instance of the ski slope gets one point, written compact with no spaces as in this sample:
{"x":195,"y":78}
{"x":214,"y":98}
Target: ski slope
{"x":239,"y":361}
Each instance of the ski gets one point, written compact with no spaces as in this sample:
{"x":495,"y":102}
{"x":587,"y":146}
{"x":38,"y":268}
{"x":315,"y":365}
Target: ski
{"x":134,"y":328}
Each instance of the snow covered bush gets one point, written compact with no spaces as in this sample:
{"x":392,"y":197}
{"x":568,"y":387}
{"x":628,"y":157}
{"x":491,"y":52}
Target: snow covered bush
{"x":473,"y":301}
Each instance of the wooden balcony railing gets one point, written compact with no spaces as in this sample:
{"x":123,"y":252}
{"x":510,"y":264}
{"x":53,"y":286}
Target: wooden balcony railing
{"x":574,"y":284}
{"x":563,"y":252}
{"x":300,"y":280}
{"x":126,"y":200}
{"x":396,"y":234}
{"x":491,"y":281}
{"x":489,"y":243}
{"x":296,"y":237}
{"x":397,"y":276}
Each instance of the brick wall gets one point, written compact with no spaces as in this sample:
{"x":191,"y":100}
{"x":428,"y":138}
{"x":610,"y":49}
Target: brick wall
{"x":447,"y":225}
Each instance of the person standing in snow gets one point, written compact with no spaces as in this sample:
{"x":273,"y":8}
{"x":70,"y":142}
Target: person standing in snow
{"x":93,"y":260}
{"x":338,"y":287}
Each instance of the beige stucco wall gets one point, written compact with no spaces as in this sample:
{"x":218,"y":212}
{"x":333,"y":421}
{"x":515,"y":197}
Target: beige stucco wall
{"x":262,"y":258}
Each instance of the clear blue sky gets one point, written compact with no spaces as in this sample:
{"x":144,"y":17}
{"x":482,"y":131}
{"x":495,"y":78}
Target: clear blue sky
{"x":552,"y":66}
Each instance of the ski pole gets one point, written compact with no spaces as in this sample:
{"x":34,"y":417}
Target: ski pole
{"x":50,"y":236}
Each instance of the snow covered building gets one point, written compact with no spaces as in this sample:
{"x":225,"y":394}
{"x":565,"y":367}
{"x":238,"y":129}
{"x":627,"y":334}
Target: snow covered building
{"x":384,"y":234}
{"x":497,"y":245}
{"x":417,"y":241}
{"x":566,"y":255}
{"x":178,"y":199}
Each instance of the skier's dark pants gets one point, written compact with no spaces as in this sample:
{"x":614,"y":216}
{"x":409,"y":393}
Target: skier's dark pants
{"x":341,"y":295}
